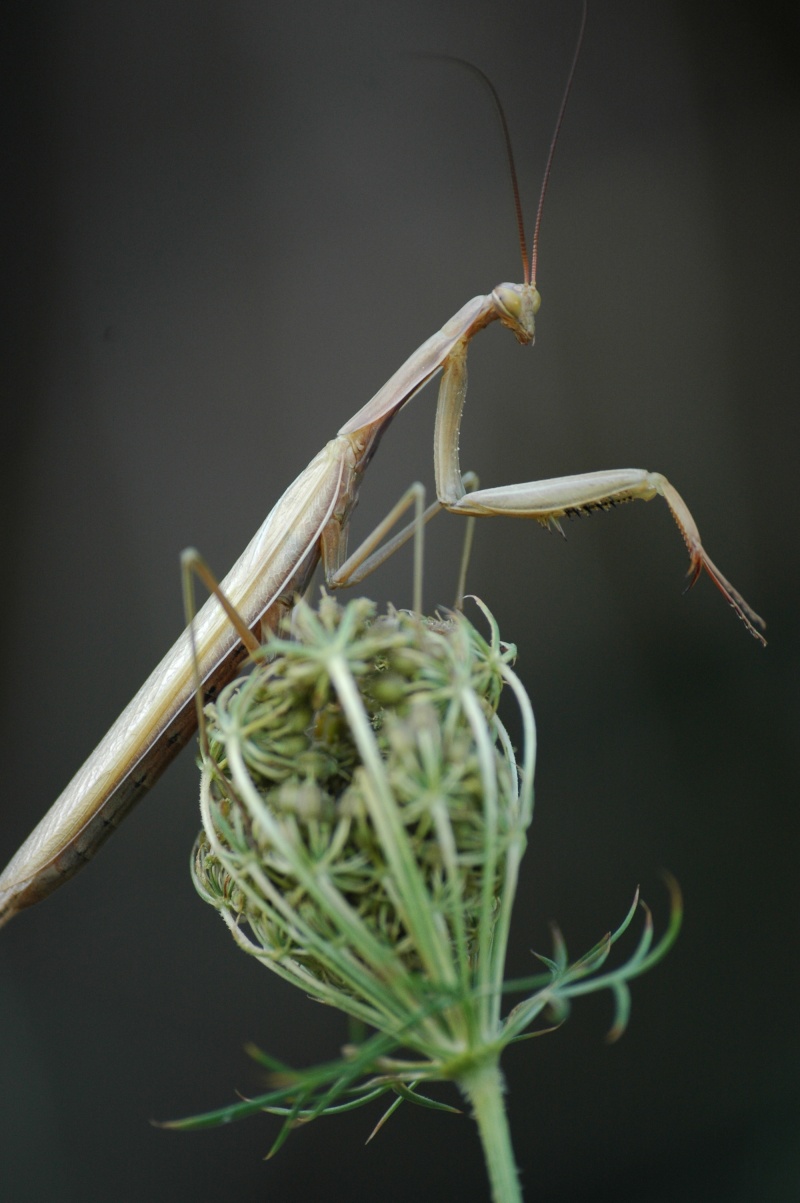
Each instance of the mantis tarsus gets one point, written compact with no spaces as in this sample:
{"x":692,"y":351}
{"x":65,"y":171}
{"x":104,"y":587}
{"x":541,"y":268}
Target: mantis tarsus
{"x":309,"y":525}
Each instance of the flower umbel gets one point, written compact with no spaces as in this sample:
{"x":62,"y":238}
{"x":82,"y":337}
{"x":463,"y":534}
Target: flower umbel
{"x":364,"y":819}
{"x":363,"y":811}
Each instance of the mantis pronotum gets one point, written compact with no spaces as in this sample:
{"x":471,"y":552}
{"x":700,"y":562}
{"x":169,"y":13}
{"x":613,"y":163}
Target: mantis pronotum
{"x":308,"y":525}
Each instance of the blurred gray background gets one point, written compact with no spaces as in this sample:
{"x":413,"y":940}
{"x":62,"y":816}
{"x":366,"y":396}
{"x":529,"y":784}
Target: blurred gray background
{"x":226,"y":226}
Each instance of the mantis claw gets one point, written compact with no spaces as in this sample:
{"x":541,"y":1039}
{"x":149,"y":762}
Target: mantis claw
{"x":746,"y":614}
{"x":699,"y":561}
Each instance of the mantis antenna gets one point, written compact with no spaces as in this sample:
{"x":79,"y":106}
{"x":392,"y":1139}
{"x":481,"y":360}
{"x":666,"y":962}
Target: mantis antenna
{"x":552,"y":150}
{"x":528,"y":266}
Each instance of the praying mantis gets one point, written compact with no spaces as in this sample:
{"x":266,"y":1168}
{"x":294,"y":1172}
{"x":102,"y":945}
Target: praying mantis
{"x":308,"y":526}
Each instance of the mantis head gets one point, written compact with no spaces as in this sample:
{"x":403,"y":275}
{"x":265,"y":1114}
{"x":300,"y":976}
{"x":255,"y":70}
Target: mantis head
{"x":516,"y":305}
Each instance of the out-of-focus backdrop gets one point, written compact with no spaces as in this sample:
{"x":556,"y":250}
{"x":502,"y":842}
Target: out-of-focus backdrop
{"x":226,"y":226}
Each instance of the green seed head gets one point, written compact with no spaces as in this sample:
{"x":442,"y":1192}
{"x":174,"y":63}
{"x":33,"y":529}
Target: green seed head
{"x":360,"y":715}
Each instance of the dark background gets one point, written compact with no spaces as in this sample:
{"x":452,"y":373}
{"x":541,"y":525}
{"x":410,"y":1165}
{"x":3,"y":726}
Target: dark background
{"x":227,"y":225}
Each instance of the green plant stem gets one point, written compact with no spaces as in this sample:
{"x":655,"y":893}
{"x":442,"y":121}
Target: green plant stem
{"x":485,"y":1088}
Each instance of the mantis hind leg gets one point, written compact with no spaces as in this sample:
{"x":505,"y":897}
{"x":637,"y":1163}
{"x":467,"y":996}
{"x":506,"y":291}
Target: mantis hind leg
{"x":193,"y":565}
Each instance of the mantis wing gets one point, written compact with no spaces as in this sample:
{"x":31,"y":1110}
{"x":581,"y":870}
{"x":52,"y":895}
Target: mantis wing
{"x":161,"y":717}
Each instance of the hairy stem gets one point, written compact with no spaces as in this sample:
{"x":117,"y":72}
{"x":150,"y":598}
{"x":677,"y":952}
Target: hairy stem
{"x":484,"y":1086}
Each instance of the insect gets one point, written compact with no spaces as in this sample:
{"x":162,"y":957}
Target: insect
{"x":307,"y":526}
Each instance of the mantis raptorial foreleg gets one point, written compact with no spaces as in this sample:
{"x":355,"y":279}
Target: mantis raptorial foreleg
{"x":547,"y":501}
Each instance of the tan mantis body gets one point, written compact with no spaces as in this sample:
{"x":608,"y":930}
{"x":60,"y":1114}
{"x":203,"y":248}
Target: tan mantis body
{"x":309,"y":524}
